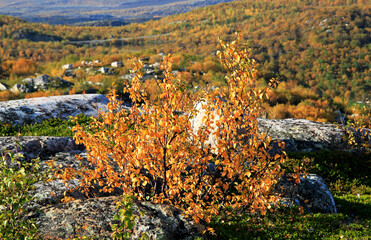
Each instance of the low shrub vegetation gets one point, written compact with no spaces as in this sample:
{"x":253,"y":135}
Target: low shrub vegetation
{"x":16,"y":180}
{"x":161,"y":158}
{"x":51,"y":127}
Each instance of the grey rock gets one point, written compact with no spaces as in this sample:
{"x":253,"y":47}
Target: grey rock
{"x":67,"y":66}
{"x":303,"y":135}
{"x":3,"y":87}
{"x":28,"y":81}
{"x":129,"y":76}
{"x":161,"y":221}
{"x":312,"y":193}
{"x":298,"y":134}
{"x":104,"y":70}
{"x":39,"y":109}
{"x":42,"y":80}
{"x":20,"y":88}
{"x":33,"y":147}
{"x":94,"y":217}
{"x":69,"y":73}
{"x":197,"y":123}
{"x":89,"y":217}
{"x":52,"y":192}
{"x":117,"y":64}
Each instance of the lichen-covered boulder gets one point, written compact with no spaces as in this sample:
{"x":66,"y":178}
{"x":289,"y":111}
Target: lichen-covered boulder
{"x":166,"y":222}
{"x":94,"y":217}
{"x":27,"y":111}
{"x":20,"y":88}
{"x":42,"y":80}
{"x":311,"y":193}
{"x":91,"y":217}
{"x":36,"y":146}
{"x":302,"y":135}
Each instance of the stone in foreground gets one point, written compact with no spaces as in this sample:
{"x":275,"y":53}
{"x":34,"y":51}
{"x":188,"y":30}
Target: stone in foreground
{"x":93,"y":217}
{"x":311,"y":193}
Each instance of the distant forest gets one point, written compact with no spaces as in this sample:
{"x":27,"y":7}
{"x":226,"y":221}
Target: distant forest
{"x":98,"y":13}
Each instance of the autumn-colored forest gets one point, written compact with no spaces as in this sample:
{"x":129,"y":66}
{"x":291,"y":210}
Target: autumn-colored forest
{"x":319,"y":51}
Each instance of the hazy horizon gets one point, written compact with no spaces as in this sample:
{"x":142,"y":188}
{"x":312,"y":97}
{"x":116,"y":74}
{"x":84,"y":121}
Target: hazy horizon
{"x":73,"y":11}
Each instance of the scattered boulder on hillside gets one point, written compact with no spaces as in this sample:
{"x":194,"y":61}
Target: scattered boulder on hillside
{"x":311,"y":193}
{"x":42,"y":81}
{"x":67,"y":66}
{"x":104,"y":70}
{"x":117,"y":64}
{"x":28,"y":81}
{"x":20,"y":88}
{"x":129,"y":76}
{"x":3,"y":87}
{"x":69,"y":73}
{"x":27,"y":111}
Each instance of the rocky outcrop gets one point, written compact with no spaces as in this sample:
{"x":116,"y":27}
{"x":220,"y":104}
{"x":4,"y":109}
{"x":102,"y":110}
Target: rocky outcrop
{"x":298,"y":134}
{"x":160,"y":221}
{"x":26,"y":111}
{"x":33,"y":147}
{"x":303,"y":135}
{"x":94,"y":217}
{"x":117,"y":64}
{"x":311,"y":193}
{"x":43,"y":82}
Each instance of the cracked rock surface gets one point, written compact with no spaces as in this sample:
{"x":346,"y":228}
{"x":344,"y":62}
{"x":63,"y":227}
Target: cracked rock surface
{"x":31,"y":110}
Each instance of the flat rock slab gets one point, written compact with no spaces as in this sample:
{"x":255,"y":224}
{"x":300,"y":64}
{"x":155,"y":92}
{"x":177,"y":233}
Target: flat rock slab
{"x":94,"y":217}
{"x":31,"y":110}
{"x":303,"y":135}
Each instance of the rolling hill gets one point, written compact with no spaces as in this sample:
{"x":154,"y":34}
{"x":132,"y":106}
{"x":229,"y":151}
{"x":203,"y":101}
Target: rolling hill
{"x":85,"y":11}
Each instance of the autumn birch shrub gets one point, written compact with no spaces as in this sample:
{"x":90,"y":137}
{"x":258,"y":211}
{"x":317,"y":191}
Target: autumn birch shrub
{"x":152,"y":152}
{"x":246,"y":171}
